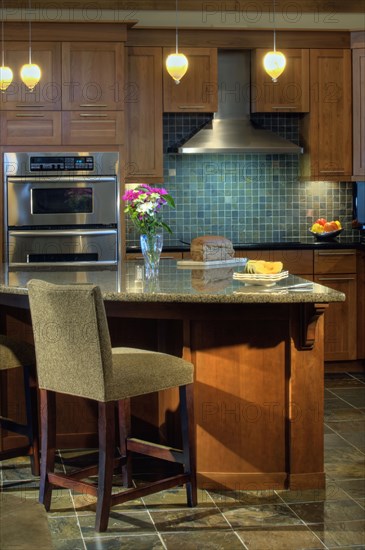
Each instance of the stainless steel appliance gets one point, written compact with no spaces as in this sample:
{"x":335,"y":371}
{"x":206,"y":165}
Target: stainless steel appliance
{"x":61,"y":208}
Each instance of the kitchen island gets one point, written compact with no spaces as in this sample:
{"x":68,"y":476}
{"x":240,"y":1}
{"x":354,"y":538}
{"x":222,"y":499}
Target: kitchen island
{"x":258,"y":356}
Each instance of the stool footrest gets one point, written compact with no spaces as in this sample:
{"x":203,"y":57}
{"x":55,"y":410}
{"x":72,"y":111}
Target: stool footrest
{"x":150,"y":488}
{"x":156,"y":450}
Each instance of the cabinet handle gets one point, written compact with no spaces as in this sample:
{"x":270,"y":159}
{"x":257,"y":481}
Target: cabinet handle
{"x":93,"y":115}
{"x":29,"y":115}
{"x":30,"y":106}
{"x":336,"y":278}
{"x":332,"y":171}
{"x":191,"y":106}
{"x":93,"y":105}
{"x":285,"y":107}
{"x":336,"y":253}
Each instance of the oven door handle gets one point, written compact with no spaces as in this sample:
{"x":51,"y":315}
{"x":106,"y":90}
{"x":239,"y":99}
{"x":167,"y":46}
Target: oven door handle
{"x":44,"y":180}
{"x":62,"y":233}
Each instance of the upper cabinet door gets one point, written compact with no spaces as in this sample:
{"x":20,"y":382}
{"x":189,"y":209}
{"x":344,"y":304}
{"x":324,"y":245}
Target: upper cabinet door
{"x":198,"y":89}
{"x":358,"y":75}
{"x":291,"y":91}
{"x":47,"y":93}
{"x":331,"y":113}
{"x":92,"y":75}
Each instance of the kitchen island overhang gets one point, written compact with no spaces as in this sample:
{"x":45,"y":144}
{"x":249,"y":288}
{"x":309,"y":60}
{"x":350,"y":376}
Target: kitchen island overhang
{"x":259,"y":367}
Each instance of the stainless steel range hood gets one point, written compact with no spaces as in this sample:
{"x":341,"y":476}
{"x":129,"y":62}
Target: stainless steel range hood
{"x":231,"y":130}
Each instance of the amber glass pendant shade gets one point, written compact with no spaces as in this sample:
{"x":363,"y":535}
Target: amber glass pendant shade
{"x":6,"y":78}
{"x":274,"y":64}
{"x":176,"y":65}
{"x":30,"y":74}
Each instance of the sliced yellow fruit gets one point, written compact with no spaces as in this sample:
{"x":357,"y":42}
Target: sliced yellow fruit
{"x":262,"y":267}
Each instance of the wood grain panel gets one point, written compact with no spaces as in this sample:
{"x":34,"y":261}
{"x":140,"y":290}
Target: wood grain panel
{"x":358,"y":91}
{"x":143,"y":104}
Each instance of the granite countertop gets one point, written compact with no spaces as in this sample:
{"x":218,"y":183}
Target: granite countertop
{"x":174,"y":285}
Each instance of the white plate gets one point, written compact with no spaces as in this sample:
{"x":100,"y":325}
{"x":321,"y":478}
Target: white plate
{"x":262,"y":280}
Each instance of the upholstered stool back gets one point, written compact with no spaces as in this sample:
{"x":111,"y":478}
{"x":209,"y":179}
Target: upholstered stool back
{"x":72,"y":340}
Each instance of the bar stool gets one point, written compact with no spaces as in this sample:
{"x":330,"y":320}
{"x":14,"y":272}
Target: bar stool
{"x":16,"y":354}
{"x":75,"y":357}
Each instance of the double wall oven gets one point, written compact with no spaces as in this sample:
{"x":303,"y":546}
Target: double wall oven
{"x":61,"y":208}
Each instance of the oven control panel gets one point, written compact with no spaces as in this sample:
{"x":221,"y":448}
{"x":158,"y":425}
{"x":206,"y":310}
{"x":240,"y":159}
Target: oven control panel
{"x":57,"y":164}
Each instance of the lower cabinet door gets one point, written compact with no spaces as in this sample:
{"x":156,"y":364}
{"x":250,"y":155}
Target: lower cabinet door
{"x":340,"y":318}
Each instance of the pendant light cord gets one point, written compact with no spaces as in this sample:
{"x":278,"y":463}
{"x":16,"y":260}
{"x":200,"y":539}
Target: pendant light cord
{"x":30,"y":35}
{"x":274,"y":26}
{"x":2,"y":34}
{"x":176,"y":24}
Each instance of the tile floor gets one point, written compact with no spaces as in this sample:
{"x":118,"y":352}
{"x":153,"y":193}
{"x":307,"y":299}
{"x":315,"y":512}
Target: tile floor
{"x":272,"y":520}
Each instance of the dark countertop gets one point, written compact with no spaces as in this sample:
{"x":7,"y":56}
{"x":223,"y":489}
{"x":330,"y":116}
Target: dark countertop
{"x":308,"y":243}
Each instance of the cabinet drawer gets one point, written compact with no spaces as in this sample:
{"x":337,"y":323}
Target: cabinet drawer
{"x":334,"y":261}
{"x":90,"y":128}
{"x":31,"y":128}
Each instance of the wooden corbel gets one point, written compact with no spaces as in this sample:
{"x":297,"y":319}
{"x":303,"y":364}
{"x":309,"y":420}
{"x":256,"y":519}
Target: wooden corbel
{"x":310,"y":313}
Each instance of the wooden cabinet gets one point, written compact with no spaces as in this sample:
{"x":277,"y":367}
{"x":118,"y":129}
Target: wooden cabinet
{"x":31,"y":127}
{"x":291,"y":91}
{"x":143,"y":107}
{"x":92,"y":128}
{"x":358,"y":91}
{"x":92,"y":76}
{"x":47,"y":93}
{"x":198,"y":89}
{"x":360,"y":304}
{"x":327,"y":130}
{"x":337,"y":269}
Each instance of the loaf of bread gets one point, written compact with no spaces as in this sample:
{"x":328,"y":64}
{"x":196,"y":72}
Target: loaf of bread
{"x":211,"y":248}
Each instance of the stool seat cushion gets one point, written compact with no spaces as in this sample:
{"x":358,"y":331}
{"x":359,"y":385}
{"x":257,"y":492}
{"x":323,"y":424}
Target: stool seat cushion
{"x":136,"y":372}
{"x":14,"y":353}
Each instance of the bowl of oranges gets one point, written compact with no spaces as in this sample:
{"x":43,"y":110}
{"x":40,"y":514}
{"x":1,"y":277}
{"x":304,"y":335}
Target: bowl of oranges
{"x":324,"y":230}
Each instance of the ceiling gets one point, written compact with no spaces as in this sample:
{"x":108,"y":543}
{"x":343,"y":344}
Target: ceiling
{"x":243,"y":6}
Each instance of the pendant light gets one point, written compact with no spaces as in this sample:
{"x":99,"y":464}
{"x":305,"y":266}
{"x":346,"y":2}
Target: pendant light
{"x":274,"y":61}
{"x":177,"y":63}
{"x":30,"y":73}
{"x":6,"y":74}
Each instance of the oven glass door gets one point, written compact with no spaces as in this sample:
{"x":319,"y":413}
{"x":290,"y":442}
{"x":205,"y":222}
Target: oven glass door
{"x":49,"y":202}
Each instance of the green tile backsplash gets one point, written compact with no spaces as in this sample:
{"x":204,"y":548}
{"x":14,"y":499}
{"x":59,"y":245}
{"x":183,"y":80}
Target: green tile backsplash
{"x":247,"y":198}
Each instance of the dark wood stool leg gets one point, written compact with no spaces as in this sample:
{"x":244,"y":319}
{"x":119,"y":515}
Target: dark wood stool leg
{"x":48,"y":421}
{"x":124,"y":417}
{"x":188,"y":439}
{"x":31,"y":405}
{"x":106,"y":426}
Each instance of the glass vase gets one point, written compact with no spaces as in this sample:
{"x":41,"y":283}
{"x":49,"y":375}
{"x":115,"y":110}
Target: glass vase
{"x":151,"y":246}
